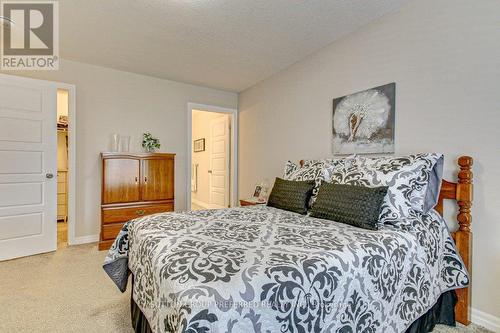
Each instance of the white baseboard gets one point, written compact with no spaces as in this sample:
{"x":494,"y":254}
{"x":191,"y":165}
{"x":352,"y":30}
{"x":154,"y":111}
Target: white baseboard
{"x":486,"y":320}
{"x":84,"y":240}
{"x":201,"y":203}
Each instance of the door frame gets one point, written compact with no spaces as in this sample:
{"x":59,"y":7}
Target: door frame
{"x":233,"y":188}
{"x":71,"y":88}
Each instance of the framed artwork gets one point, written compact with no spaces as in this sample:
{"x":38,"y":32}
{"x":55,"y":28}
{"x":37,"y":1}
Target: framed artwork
{"x":257,"y":192}
{"x":199,"y":145}
{"x":363,"y":122}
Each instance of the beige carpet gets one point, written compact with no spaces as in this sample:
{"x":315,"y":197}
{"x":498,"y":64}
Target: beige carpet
{"x":67,"y":291}
{"x":64,"y":291}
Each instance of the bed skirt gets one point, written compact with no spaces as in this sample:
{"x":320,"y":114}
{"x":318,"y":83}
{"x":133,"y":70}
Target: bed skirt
{"x":139,"y":321}
{"x":443,"y":312}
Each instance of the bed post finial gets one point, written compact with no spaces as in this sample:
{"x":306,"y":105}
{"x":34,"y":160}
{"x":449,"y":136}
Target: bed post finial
{"x":464,"y":192}
{"x":463,"y":236}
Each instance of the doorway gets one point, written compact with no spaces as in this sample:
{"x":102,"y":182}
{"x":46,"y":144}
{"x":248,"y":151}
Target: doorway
{"x":211,"y":158}
{"x":62,"y":167}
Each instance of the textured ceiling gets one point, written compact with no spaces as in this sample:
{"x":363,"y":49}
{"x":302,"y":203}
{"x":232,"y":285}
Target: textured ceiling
{"x":225,"y":44}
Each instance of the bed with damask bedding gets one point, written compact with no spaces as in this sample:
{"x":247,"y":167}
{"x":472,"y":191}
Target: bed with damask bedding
{"x":264,"y":269}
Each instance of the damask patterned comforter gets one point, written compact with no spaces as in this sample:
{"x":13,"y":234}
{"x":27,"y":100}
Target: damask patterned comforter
{"x":262,"y":269}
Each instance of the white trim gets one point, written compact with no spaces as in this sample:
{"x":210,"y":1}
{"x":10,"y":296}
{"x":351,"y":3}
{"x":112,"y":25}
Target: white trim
{"x":85,"y":239}
{"x":200,"y":203}
{"x":486,"y":320}
{"x":234,"y":149}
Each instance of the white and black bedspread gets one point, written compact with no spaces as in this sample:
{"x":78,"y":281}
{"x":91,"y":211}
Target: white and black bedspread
{"x":261,"y":269}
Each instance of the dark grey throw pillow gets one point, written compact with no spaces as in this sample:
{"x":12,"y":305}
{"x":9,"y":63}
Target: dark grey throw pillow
{"x":291,"y":195}
{"x":355,"y":205}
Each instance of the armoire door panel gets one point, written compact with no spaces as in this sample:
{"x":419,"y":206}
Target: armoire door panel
{"x":121,"y":180}
{"x":134,"y":185}
{"x":157,"y":179}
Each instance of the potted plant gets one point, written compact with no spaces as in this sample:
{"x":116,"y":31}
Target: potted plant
{"x":149,"y":143}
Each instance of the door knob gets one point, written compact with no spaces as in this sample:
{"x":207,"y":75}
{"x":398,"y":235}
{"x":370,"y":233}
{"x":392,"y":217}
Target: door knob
{"x":49,"y":175}
{"x":209,"y":171}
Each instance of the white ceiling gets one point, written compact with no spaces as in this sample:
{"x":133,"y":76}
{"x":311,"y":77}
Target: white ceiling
{"x":225,"y":44}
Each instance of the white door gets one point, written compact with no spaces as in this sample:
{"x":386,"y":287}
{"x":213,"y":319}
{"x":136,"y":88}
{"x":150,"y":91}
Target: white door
{"x":219,"y":162}
{"x":28,"y":167}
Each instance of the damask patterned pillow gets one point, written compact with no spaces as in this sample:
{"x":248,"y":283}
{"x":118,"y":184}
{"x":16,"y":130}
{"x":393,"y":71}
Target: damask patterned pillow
{"x":290,"y":167}
{"x":331,"y":164}
{"x":411,"y":181}
{"x":314,"y":171}
{"x":317,"y":170}
{"x":427,"y":187}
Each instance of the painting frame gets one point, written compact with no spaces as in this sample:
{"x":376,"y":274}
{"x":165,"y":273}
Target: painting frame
{"x":199,"y":145}
{"x":364,"y":122}
{"x":258,"y":191}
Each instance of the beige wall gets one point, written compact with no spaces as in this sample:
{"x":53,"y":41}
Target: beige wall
{"x":201,"y":129}
{"x":445,"y":59}
{"x":62,"y":102}
{"x":110,"y":101}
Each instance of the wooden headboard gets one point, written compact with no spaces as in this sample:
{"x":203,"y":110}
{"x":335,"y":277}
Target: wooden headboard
{"x":461,"y":192}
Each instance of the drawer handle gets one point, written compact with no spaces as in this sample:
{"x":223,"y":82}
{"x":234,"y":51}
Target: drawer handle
{"x":140,"y":212}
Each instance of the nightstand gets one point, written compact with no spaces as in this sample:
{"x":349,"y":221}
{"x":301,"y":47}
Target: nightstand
{"x":251,"y":202}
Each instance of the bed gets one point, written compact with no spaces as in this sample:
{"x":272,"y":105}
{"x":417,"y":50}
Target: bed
{"x":265,"y":269}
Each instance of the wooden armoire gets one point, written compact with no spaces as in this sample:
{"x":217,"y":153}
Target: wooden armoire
{"x":133,"y":185}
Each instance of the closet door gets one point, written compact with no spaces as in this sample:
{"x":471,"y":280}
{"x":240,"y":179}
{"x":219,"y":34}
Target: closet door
{"x":121,"y":180}
{"x":28,"y":165}
{"x":157,"y":179}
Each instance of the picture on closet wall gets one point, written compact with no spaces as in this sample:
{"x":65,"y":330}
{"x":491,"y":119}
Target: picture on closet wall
{"x":199,"y":145}
{"x":363,"y":122}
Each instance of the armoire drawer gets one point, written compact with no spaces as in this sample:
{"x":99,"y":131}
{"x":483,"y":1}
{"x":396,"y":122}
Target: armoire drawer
{"x":124,"y":214}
